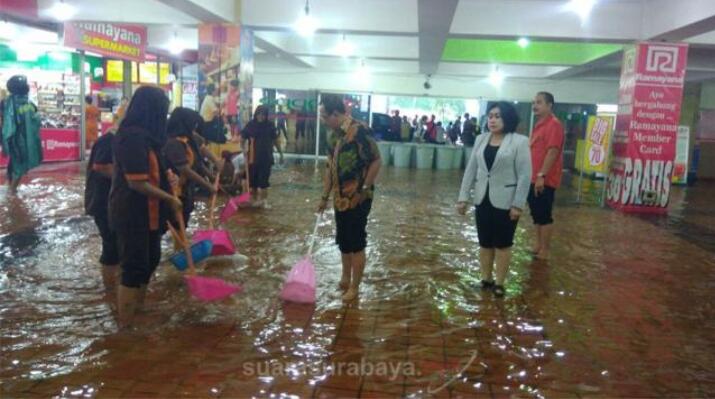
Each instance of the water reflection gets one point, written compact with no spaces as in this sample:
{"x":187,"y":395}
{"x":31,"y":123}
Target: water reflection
{"x":601,"y":318}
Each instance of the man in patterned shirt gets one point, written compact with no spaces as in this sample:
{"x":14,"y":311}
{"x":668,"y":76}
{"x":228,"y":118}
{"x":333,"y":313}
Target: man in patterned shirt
{"x":353,"y":165}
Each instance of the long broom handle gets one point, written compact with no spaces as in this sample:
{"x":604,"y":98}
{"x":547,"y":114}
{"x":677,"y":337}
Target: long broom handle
{"x":213,"y":202}
{"x":315,"y":233}
{"x":182,"y":230}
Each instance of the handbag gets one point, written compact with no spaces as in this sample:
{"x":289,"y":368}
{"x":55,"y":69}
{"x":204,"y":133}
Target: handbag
{"x":214,"y":131}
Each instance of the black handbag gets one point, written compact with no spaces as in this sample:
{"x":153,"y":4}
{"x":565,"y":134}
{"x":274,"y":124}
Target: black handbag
{"x":214,"y":131}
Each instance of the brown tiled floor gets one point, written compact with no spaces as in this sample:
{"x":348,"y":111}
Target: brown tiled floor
{"x":623,"y":309}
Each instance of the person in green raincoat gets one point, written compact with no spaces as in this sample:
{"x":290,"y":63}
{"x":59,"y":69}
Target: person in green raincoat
{"x":20,"y":131}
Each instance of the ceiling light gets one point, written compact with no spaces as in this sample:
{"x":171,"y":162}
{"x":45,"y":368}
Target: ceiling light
{"x":345,"y":48}
{"x":25,"y":51}
{"x":362,"y":74}
{"x":496,"y":78}
{"x":176,"y":46}
{"x":306,"y":25}
{"x":7,"y":30}
{"x":523,"y":42}
{"x":62,"y":11}
{"x":581,"y":7}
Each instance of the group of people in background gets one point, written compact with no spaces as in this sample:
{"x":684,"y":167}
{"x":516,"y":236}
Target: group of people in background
{"x":428,"y":130}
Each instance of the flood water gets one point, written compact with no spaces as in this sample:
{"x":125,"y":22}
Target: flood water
{"x":623,"y":308}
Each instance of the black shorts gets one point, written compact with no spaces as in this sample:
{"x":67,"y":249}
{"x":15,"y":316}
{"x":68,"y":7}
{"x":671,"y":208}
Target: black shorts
{"x":494,"y":226}
{"x":350,"y":232}
{"x":542,"y":206}
{"x":140,"y":253}
{"x":260,"y":176}
{"x":110,"y":250}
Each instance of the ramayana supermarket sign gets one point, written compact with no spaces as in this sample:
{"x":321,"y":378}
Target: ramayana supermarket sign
{"x":123,"y":41}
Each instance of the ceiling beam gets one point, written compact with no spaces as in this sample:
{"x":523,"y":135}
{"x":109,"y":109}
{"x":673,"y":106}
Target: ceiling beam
{"x":591,"y":65}
{"x":203,"y":14}
{"x":280,"y":53}
{"x":195,"y":10}
{"x":434,"y":21}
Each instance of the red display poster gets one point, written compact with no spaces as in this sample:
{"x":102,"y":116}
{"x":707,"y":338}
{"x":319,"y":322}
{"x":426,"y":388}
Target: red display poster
{"x":57,"y":145}
{"x":645,"y":138}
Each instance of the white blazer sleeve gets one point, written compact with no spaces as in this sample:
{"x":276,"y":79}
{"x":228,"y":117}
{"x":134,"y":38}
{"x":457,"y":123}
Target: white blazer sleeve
{"x":469,"y":174}
{"x":522,"y":162}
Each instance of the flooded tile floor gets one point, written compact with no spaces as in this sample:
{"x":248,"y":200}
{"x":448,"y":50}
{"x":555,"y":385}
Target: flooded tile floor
{"x":623,"y":309}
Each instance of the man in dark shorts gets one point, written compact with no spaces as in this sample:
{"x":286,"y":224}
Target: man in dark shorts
{"x":547,"y":146}
{"x":353,"y":165}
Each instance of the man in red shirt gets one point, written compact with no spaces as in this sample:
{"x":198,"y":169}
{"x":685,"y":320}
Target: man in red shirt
{"x":547,"y":146}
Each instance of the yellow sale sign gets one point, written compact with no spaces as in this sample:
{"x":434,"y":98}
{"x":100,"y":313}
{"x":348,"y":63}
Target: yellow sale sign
{"x":594,"y":158}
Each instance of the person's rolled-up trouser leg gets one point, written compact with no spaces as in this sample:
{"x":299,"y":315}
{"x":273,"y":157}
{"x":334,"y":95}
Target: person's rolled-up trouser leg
{"x":134,"y":257}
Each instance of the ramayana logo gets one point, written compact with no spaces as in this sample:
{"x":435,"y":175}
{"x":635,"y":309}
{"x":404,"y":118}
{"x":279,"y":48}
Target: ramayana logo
{"x":661,"y":59}
{"x":54,"y":144}
{"x":114,"y":32}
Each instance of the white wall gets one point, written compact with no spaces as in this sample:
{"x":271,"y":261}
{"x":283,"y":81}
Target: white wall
{"x":573,"y":91}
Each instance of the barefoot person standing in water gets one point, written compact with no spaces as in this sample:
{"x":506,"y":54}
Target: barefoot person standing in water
{"x":353,"y":165}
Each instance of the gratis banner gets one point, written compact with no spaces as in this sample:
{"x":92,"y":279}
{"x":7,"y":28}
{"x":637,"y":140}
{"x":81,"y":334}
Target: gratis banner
{"x":646,"y":127}
{"x":123,"y":41}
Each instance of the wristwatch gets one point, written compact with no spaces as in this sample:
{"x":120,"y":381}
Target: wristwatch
{"x":540,"y":174}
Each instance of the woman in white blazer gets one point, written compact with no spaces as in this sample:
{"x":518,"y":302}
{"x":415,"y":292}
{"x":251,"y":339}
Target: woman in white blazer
{"x":499,"y":169}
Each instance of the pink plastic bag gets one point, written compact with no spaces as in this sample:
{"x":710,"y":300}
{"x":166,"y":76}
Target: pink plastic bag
{"x":299,"y":285}
{"x":222,"y":243}
{"x":209,"y":289}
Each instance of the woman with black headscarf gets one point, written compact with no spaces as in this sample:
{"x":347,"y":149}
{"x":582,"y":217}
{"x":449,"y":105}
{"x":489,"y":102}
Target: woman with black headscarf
{"x":140,"y":201}
{"x":259,"y":138}
{"x":183,"y":155}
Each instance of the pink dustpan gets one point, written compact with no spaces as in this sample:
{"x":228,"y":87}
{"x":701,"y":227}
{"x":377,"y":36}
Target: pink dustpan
{"x":221,"y":239}
{"x":232,"y":206}
{"x":210,"y":289}
{"x":300,"y":283}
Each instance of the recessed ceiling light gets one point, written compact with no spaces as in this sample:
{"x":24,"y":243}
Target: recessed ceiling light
{"x":345,"y":48}
{"x":523,"y":42}
{"x":581,"y":7}
{"x":496,"y":78}
{"x":7,"y":30}
{"x":62,"y":11}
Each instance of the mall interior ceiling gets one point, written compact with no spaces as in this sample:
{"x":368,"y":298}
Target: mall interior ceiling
{"x":465,"y":48}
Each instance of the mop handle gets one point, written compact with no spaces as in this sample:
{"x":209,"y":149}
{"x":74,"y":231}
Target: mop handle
{"x":315,"y":232}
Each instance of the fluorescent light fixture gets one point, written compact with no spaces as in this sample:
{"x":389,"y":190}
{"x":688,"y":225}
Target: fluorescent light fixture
{"x":523,"y":42}
{"x":582,"y":8}
{"x":606,"y":108}
{"x":7,"y":30}
{"x":345,"y":48}
{"x":496,"y":78}
{"x":306,"y":25}
{"x":62,"y":11}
